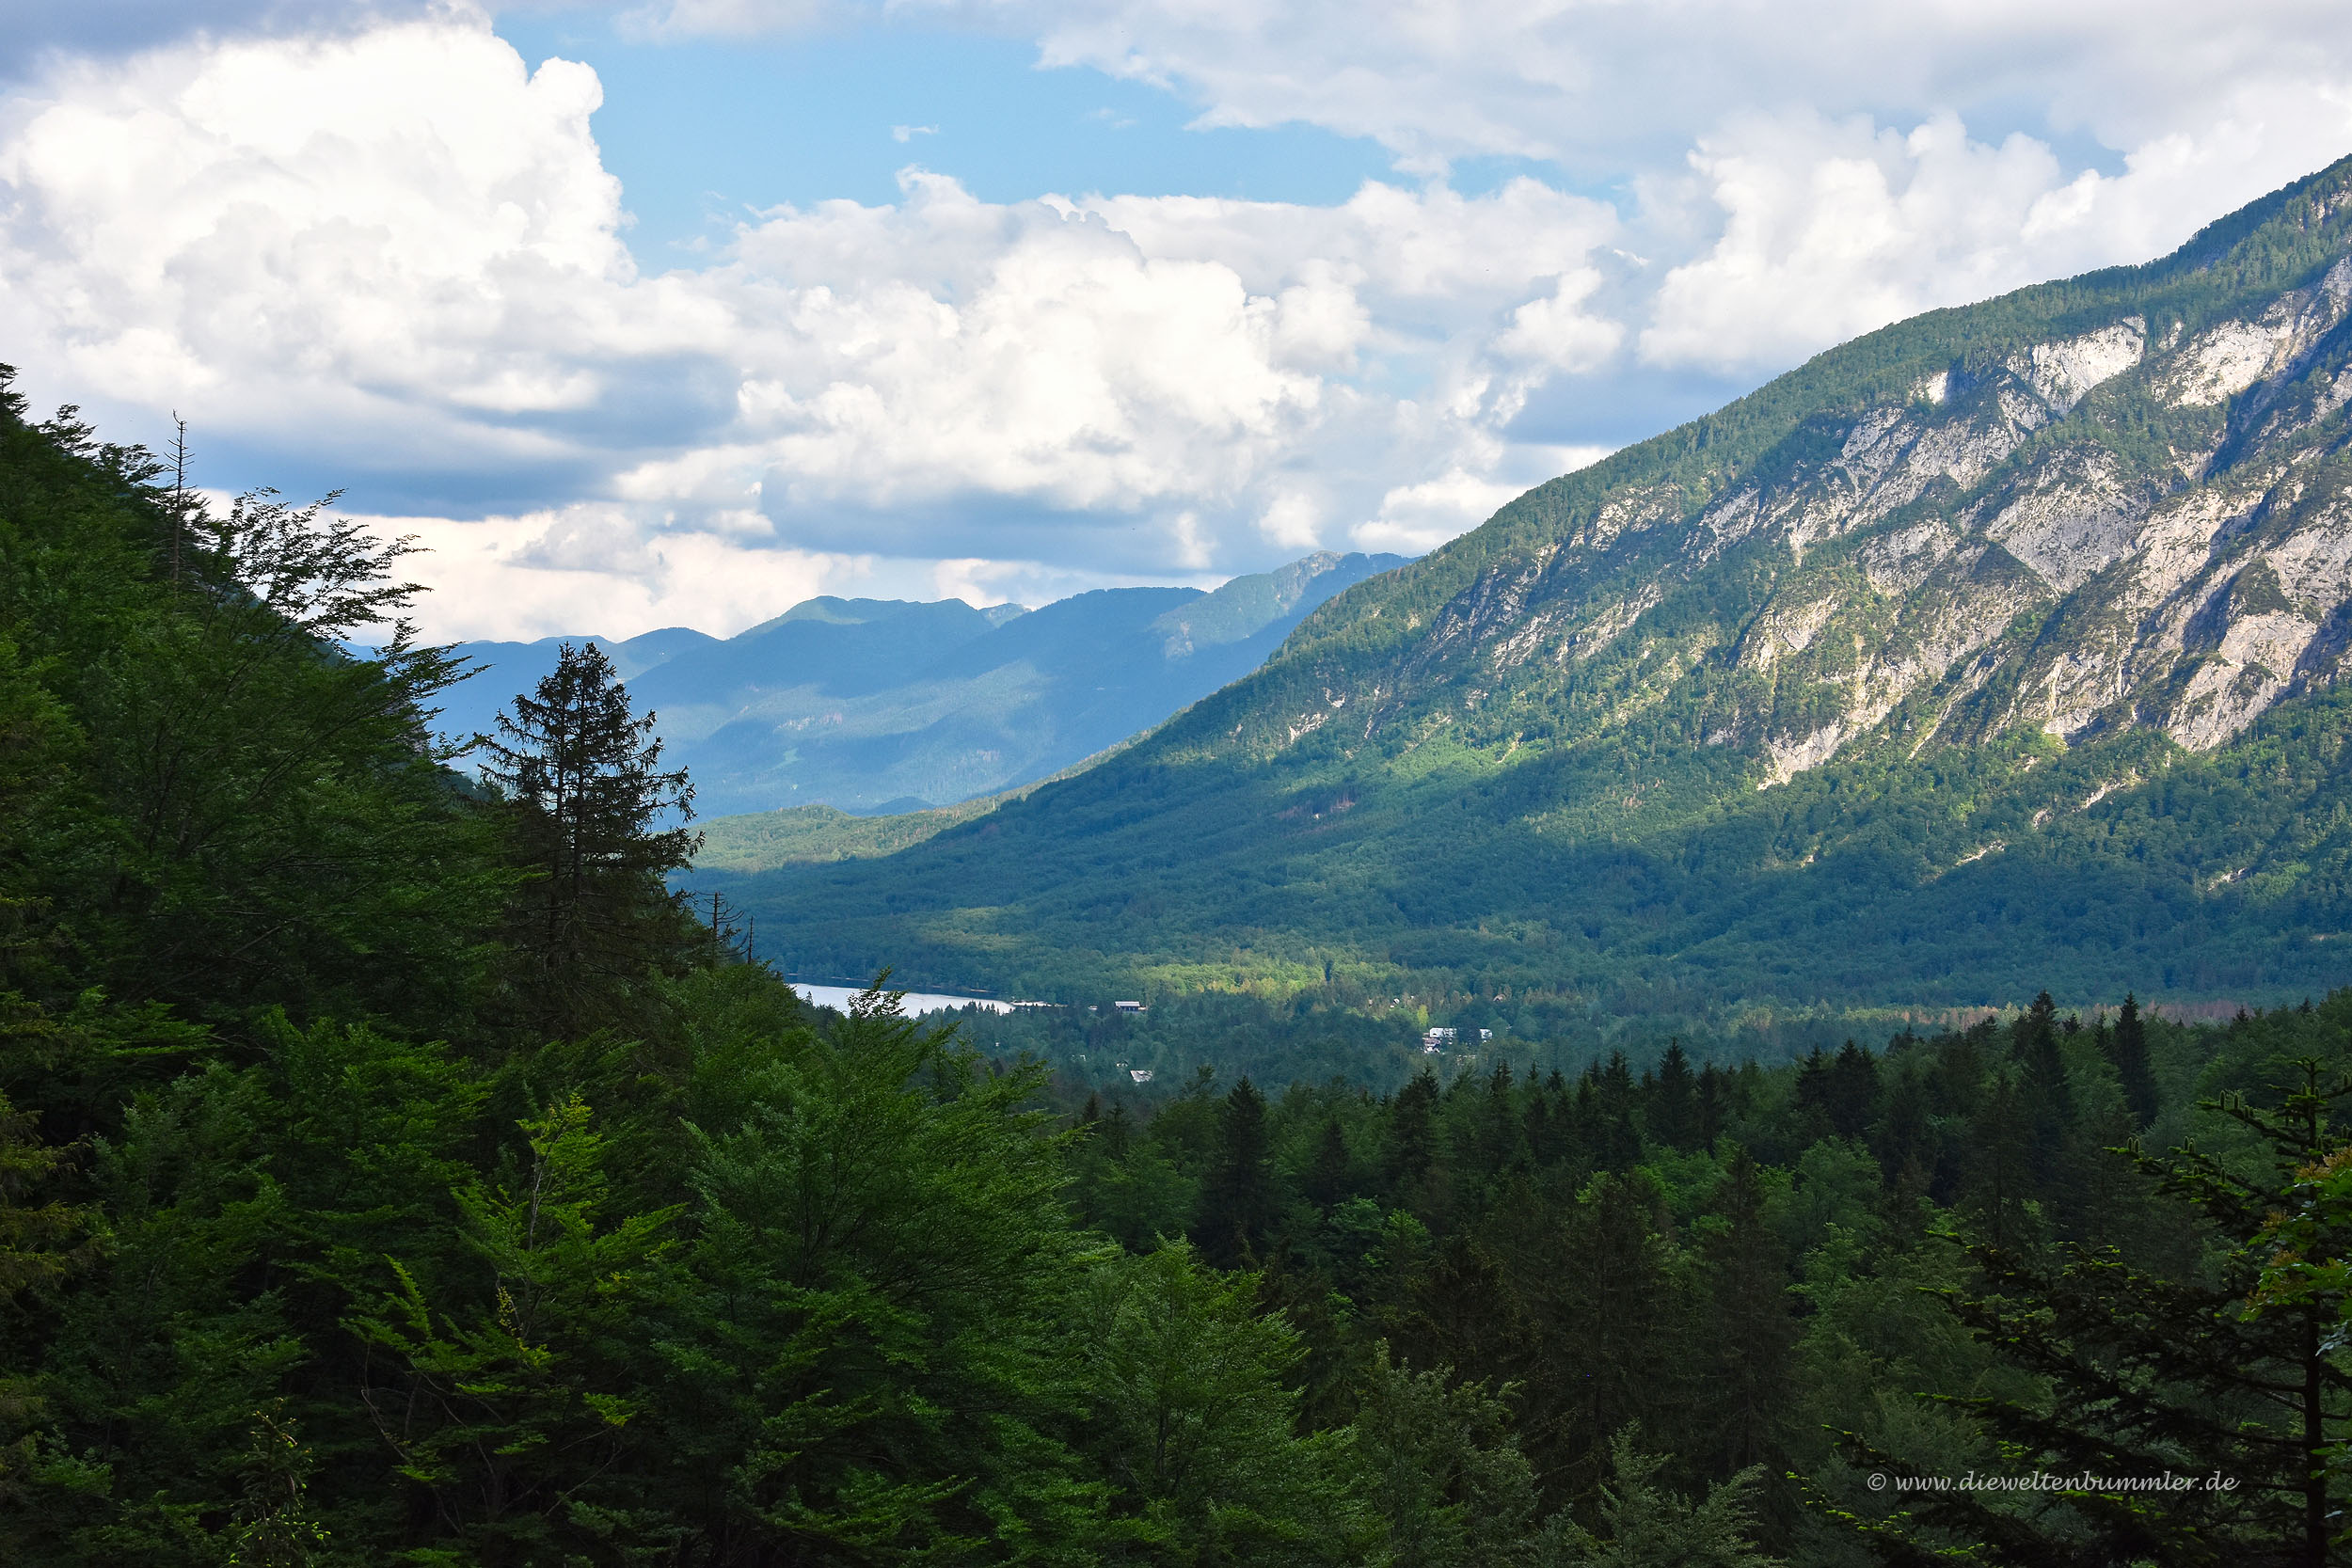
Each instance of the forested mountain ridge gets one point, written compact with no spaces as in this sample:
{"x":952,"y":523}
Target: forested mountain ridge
{"x":876,"y":704}
{"x":1813,"y":647}
{"x":2110,"y":501}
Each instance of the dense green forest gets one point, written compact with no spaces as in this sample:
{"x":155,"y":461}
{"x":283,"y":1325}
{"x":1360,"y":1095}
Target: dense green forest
{"x":392,"y":1170}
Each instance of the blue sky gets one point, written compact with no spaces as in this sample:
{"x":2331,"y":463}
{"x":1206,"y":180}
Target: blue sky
{"x":702,"y":131}
{"x":677,"y":312}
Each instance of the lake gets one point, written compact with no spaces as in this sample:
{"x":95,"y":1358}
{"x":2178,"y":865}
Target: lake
{"x":916,"y":1001}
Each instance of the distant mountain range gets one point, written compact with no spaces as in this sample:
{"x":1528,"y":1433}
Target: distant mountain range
{"x":1997,"y":649}
{"x":871,"y":705}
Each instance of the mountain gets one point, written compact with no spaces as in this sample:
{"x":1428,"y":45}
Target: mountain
{"x":865,"y":704}
{"x":1994,"y":649}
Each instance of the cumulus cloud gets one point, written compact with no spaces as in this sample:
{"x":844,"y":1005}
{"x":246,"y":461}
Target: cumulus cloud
{"x":33,"y":31}
{"x":1611,"y":87}
{"x":398,"y":251}
{"x":595,"y":570}
{"x":384,"y":241}
{"x":376,"y":243}
{"x":1831,"y":229}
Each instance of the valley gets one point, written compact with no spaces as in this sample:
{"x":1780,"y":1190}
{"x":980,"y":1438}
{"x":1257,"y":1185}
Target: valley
{"x":2000,"y":638}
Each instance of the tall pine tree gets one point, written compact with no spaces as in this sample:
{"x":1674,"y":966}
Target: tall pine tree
{"x":2127,"y":1050}
{"x":1237,"y":1198}
{"x":583,"y":775}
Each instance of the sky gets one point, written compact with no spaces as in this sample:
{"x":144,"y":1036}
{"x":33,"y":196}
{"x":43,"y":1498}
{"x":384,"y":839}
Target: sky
{"x":678,"y":312}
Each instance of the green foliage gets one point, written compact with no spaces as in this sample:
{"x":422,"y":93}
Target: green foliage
{"x":880,"y":1266}
{"x":815,"y":834}
{"x":1192,"y":1414}
{"x":1451,"y":1487}
{"x":579,"y":774}
{"x":512,"y":1408}
{"x":2228,"y":1376}
{"x":1647,"y":1528}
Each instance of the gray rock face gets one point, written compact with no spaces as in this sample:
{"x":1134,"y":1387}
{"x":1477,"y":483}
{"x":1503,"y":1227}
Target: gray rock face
{"x":2144,"y":521}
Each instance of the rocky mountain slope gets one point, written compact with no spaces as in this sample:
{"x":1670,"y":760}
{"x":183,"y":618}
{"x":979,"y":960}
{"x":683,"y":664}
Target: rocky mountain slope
{"x":2101,"y":529}
{"x":864,"y":705}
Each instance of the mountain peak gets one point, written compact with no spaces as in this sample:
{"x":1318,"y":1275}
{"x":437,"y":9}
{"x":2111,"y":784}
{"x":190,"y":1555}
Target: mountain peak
{"x":1247,"y":605}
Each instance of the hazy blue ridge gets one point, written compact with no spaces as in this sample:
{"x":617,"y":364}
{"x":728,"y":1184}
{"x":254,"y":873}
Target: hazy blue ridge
{"x":866,"y":704}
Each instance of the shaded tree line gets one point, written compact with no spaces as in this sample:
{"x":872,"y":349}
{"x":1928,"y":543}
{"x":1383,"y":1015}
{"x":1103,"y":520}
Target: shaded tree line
{"x":1955,"y":1254}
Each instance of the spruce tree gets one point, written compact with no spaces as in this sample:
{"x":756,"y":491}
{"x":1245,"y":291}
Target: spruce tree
{"x":1712,"y":1091}
{"x":1412,"y":1137}
{"x":1237,"y":1198}
{"x":581,"y":774}
{"x":2045,"y":1098}
{"x":2000,"y":1164}
{"x":2128,"y":1052}
{"x":1751,"y":1330}
{"x":1328,"y":1180}
{"x":1674,"y":1109}
{"x":1853,"y":1091}
{"x":1619,"y":1144}
{"x":1501,"y":1136}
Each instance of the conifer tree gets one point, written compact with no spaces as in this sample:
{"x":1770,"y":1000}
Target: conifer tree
{"x":1838,"y":1094}
{"x":1674,"y":1110}
{"x":2127,"y":1050}
{"x":1327,"y":1179}
{"x":1501,"y":1135}
{"x":41,"y":1243}
{"x":1853,"y":1091}
{"x":1711,"y":1095}
{"x":2229,"y":1373}
{"x":1751,"y":1332}
{"x":1442,"y":1471}
{"x":1549,"y":1128}
{"x":1412,"y":1135}
{"x":2035,"y":1048}
{"x":1615,"y":1324}
{"x":1619,"y":1144}
{"x":582,"y":773}
{"x":1905,"y":1140}
{"x":2045,"y":1099}
{"x":1237,"y":1199}
{"x":1648,"y":1527}
{"x":2000,"y":1163}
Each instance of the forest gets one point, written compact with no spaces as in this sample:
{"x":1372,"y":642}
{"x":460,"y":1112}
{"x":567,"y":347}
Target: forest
{"x":392,"y":1169}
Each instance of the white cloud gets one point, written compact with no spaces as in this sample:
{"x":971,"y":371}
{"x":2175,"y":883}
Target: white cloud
{"x":590,"y":570}
{"x":396,"y":251}
{"x":1613,"y":88}
{"x":379,"y":239}
{"x":1417,"y":517}
{"x":1556,"y":332}
{"x":1832,"y":229}
{"x":381,"y":248}
{"x":1292,"y":520}
{"x":1805,"y":170}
